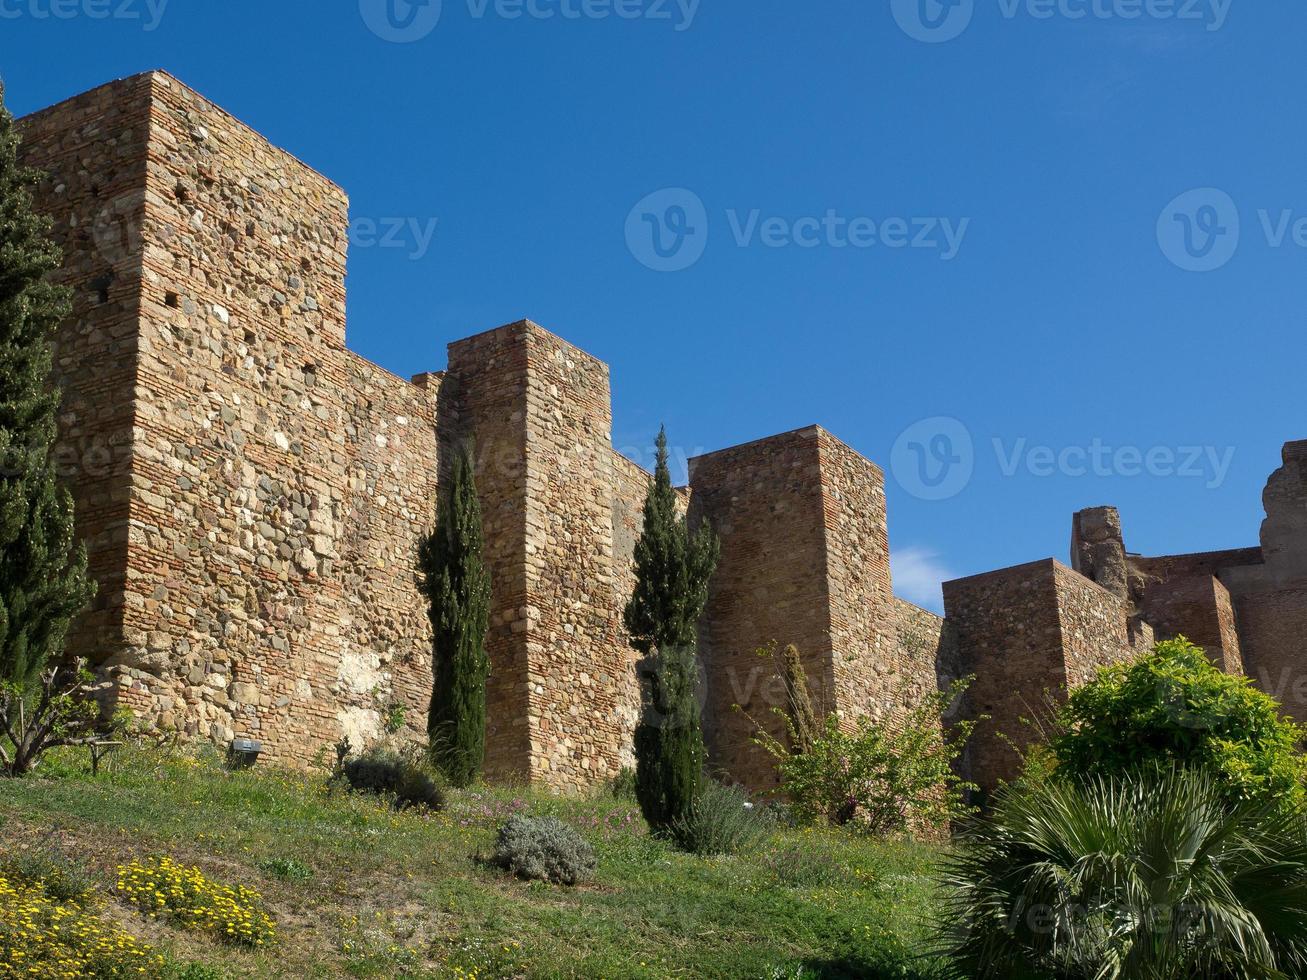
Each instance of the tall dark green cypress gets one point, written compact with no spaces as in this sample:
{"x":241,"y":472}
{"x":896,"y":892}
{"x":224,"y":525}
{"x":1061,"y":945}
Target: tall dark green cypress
{"x":457,"y":586}
{"x":43,"y":582}
{"x":672,"y":568}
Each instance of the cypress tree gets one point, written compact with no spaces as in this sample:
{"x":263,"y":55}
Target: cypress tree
{"x":454,"y":579}
{"x":673,"y":567}
{"x":43,"y":582}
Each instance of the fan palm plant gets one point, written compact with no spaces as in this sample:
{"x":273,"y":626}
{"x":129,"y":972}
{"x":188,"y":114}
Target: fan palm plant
{"x":1146,"y":877}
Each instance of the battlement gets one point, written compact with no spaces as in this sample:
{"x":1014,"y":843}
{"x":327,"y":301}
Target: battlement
{"x":252,"y":494}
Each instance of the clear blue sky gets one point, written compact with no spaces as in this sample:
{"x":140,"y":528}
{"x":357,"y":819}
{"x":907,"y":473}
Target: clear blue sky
{"x":1051,"y":145}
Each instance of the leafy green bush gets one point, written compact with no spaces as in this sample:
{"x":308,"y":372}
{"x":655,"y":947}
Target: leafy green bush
{"x":544,"y":849}
{"x":1151,"y":875}
{"x":1174,"y":704}
{"x":877,"y":778}
{"x":386,"y":773}
{"x":721,"y":820}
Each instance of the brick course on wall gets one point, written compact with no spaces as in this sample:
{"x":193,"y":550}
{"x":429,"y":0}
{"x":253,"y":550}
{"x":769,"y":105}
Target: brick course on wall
{"x":805,"y":560}
{"x":93,"y":151}
{"x":1009,"y":637}
{"x":763,"y":499}
{"x":252,"y":495}
{"x":1198,"y":607}
{"x":1028,"y":634}
{"x":1273,"y":628}
{"x":576,"y":659}
{"x":1095,"y":626}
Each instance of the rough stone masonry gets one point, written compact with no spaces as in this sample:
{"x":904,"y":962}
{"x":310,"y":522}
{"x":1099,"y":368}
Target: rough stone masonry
{"x":252,"y":493}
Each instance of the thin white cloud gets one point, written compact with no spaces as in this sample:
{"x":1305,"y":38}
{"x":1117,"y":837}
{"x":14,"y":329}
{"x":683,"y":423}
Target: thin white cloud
{"x":918,"y":577}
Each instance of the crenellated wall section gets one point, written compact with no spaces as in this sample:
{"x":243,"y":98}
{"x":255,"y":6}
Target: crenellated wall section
{"x":252,"y":495}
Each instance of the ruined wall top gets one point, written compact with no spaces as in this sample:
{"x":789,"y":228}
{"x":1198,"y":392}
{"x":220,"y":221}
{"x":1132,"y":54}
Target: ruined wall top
{"x":1284,"y":532}
{"x":1098,"y":549}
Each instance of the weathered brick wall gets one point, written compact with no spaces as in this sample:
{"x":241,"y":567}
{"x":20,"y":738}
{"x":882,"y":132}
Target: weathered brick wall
{"x":559,"y":697}
{"x":928,"y":652}
{"x":93,"y":151}
{"x":488,"y":373}
{"x":1009,"y":636}
{"x":1244,"y":606}
{"x":1202,"y":563}
{"x":805,"y":560}
{"x":868,"y":671}
{"x":256,"y":547}
{"x":1273,"y":630}
{"x":1028,"y":634}
{"x":764,"y":501}
{"x":928,"y":662}
{"x":1198,"y":607}
{"x":281,"y":482}
{"x":1094,"y":624}
{"x":578,"y":659}
{"x":1174,"y":594}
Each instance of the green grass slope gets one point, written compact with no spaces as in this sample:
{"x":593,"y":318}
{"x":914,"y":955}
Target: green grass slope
{"x":359,"y":890}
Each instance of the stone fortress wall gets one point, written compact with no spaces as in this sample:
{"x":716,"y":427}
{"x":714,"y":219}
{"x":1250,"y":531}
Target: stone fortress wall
{"x":252,"y":494}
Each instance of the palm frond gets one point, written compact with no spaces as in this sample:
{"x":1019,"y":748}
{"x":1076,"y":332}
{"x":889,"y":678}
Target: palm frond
{"x":1153,"y":876}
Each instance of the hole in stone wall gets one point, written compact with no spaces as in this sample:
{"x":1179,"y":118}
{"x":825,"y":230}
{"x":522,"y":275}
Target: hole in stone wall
{"x":183,"y":194}
{"x":310,"y":373}
{"x":249,"y":337}
{"x":306,"y":265}
{"x":101,"y":287}
{"x":172,"y":299}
